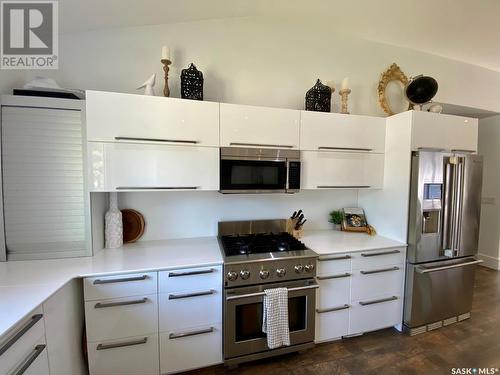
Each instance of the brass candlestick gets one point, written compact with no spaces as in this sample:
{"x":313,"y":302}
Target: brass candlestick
{"x":344,"y":93}
{"x":166,"y":63}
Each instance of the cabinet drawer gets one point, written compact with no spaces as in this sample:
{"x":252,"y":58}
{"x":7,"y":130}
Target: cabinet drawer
{"x":121,"y":317}
{"x":334,"y":290}
{"x":375,"y":282}
{"x":188,"y":279}
{"x":332,"y":323}
{"x":192,"y":308}
{"x":190,"y":349}
{"x":377,"y":313}
{"x":103,"y":287}
{"x":25,"y":345}
{"x":334,"y":264}
{"x":375,"y":258}
{"x":130,"y":356}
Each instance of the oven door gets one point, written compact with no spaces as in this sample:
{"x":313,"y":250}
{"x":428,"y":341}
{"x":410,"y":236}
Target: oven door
{"x":243,"y":317}
{"x":253,"y":176}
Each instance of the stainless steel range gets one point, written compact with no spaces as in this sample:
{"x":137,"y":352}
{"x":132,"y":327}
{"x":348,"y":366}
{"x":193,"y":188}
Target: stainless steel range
{"x":259,"y":255}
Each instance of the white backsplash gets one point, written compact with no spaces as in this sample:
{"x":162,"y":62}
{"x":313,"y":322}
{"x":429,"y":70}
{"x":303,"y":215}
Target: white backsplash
{"x":196,"y":214}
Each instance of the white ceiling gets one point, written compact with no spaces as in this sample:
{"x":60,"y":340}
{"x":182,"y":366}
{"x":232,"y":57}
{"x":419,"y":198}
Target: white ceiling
{"x":464,"y":30}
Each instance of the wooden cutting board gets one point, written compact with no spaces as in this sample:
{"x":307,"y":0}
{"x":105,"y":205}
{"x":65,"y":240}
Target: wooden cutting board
{"x":133,"y":225}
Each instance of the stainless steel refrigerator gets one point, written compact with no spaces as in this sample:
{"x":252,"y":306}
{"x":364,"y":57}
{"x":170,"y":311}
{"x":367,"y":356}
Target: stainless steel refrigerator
{"x":443,"y":231}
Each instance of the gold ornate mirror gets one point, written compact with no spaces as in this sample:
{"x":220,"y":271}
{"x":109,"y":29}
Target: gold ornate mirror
{"x":390,"y":96}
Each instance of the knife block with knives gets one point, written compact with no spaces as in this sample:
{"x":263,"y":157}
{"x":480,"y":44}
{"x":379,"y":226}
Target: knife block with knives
{"x":295,"y":223}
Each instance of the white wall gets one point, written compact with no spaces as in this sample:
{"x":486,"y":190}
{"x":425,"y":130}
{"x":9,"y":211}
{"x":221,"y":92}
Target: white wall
{"x":262,"y":62}
{"x":489,"y":235}
{"x":195,"y":214}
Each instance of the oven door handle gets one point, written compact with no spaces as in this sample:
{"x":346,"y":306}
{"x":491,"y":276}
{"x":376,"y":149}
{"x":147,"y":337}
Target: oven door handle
{"x":230,"y":298}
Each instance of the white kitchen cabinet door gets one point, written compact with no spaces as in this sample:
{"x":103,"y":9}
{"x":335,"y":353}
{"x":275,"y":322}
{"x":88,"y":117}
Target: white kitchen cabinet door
{"x":113,"y":116}
{"x":332,"y":323}
{"x":248,"y":126}
{"x":374,"y":282}
{"x":131,"y":166}
{"x":438,"y":131}
{"x":377,"y":313}
{"x":331,"y":170}
{"x":116,"y":286}
{"x":188,"y":279}
{"x":378,"y":258}
{"x":319,"y":130}
{"x":333,"y":264}
{"x":334,"y":290}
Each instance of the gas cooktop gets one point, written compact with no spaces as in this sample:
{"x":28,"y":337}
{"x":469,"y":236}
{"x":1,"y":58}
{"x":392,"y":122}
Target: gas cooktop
{"x":236,"y":244}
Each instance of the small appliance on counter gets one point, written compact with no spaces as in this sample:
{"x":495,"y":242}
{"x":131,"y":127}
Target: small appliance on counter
{"x":260,"y":255}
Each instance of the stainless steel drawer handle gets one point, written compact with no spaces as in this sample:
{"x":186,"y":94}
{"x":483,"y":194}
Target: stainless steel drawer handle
{"x":191,"y":273}
{"x":189,"y":295}
{"x":343,"y":186}
{"x":229,"y":298}
{"x":120,"y":280}
{"x":155,"y":140}
{"x":343,"y":257}
{"x":434,"y":269}
{"x":463,"y":150}
{"x":31,"y":358}
{"x":333,"y":276}
{"x":157,"y":187}
{"x":259,"y":145}
{"x":190,"y":333}
{"x":34,"y":319}
{"x":379,"y":270}
{"x":122,"y":344}
{"x":366,"y":303}
{"x":338,"y":308}
{"x":100,"y":305}
{"x":380,"y":253}
{"x":344,"y":148}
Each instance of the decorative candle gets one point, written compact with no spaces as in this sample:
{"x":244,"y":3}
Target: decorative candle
{"x":165,"y":53}
{"x":345,"y":83}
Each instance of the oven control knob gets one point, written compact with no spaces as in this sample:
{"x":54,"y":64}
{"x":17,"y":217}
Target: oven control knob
{"x":245,"y":274}
{"x":281,"y":272}
{"x":264,"y":274}
{"x":309,"y":267}
{"x":232,"y":276}
{"x":299,"y":268}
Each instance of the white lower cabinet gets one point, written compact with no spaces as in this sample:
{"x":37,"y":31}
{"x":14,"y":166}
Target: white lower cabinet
{"x":376,"y":313}
{"x":127,"y":356}
{"x":332,"y":323}
{"x":187,"y":349}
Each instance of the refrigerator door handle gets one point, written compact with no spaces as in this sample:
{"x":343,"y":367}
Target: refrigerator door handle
{"x":424,"y":270}
{"x":447,"y":234}
{"x":459,"y":204}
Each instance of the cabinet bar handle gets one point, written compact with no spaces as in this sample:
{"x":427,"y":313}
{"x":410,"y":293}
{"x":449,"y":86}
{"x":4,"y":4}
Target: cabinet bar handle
{"x":321,"y":311}
{"x":344,"y":148}
{"x":343,"y":257}
{"x":121,"y":280}
{"x":190,"y":273}
{"x":34,"y":319}
{"x":31,"y":358}
{"x":157,"y":187}
{"x":463,"y":150}
{"x":393,"y":298}
{"x":424,"y":270}
{"x":100,"y":305}
{"x":190,"y":333}
{"x":333,"y":276}
{"x":155,"y":140}
{"x":343,"y":186}
{"x":258,"y":294}
{"x":189,"y":295}
{"x":122,"y":344}
{"x":259,"y":144}
{"x":380,"y":253}
{"x":379,"y":271}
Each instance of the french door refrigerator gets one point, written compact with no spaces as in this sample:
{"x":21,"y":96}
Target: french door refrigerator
{"x":443,"y":231}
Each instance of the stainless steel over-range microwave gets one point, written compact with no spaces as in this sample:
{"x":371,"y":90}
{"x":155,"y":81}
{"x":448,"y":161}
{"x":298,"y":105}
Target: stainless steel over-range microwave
{"x":259,"y":170}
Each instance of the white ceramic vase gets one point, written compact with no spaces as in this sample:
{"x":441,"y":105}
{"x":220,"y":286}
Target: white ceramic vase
{"x":113,"y":231}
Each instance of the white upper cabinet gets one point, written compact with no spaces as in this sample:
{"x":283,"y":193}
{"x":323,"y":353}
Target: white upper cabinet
{"x":113,"y":117}
{"x":335,"y":131}
{"x":447,"y":132}
{"x":248,"y":126}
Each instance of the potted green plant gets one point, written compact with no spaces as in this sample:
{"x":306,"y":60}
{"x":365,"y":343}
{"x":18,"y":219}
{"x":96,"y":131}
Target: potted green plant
{"x":336,"y":218}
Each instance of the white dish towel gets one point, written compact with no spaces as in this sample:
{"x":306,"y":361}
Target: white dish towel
{"x":275,"y":317}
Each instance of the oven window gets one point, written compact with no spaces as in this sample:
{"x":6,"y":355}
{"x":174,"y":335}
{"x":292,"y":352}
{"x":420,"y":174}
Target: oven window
{"x":249,"y":318}
{"x":249,"y":174}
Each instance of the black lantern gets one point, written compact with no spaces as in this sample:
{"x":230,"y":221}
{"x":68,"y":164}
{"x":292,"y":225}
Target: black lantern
{"x":318,"y":98}
{"x":192,"y":83}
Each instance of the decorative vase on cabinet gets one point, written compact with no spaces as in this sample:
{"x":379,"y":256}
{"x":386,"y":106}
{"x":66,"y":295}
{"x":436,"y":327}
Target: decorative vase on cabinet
{"x":113,"y":224}
{"x":318,"y":98}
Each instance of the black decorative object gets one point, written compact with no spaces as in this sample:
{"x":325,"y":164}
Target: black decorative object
{"x":318,"y":98}
{"x":421,"y":89}
{"x":192,"y":83}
